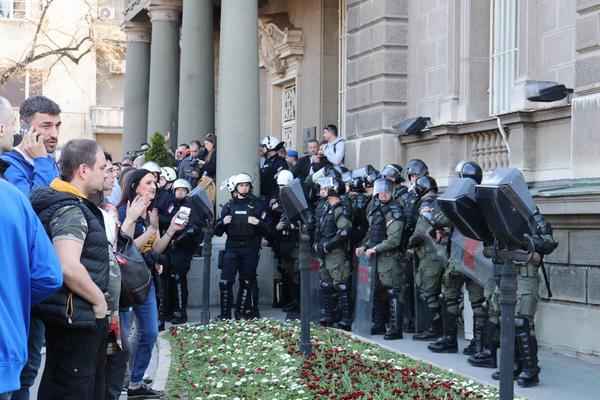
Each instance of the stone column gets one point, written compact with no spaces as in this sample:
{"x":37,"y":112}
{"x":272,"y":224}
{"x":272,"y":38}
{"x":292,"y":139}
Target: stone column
{"x":196,"y":84}
{"x":585,"y":162}
{"x":164,"y":68}
{"x":238,"y":119}
{"x":135,"y":119}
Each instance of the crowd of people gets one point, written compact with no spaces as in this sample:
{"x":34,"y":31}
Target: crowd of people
{"x":66,"y":219}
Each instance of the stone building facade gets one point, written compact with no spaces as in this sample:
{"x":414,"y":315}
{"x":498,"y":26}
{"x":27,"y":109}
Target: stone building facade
{"x":247,"y":68}
{"x":89,"y":93}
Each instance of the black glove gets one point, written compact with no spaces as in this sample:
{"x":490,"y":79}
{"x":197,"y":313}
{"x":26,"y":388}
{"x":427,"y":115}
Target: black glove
{"x":320,"y":251}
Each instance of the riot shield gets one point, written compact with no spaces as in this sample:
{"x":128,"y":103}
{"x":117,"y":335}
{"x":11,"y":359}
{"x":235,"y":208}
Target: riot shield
{"x":293,"y":201}
{"x":460,"y":206}
{"x":467,"y":256}
{"x":201,"y":205}
{"x":427,"y":233}
{"x":315,"y":286}
{"x":365,"y":285}
{"x":507,"y":205}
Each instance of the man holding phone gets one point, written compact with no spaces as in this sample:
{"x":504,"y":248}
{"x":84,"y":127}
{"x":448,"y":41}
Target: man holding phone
{"x":29,"y":165}
{"x":31,"y":162}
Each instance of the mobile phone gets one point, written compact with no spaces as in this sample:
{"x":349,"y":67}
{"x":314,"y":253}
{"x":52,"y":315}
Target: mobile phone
{"x":24,"y":129}
{"x":183,"y":215}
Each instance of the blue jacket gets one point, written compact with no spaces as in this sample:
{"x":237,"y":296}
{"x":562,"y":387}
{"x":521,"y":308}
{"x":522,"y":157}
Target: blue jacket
{"x":30,"y":273}
{"x":26,"y":176}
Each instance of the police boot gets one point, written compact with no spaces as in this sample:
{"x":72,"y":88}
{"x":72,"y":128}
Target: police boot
{"x":179,"y":315}
{"x":327,"y":306}
{"x":252,"y":300}
{"x":344,"y":308}
{"x":277,"y":293}
{"x":447,"y":343}
{"x":434,"y":327}
{"x":528,"y":348}
{"x":517,"y":364}
{"x":291,"y":294}
{"x":378,"y":319}
{"x":476,"y":344}
{"x":242,"y":301}
{"x":394,"y":327}
{"x":294,"y":294}
{"x":226,"y":298}
{"x":487,"y":357}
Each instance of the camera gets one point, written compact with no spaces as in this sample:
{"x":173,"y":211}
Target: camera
{"x":135,"y":153}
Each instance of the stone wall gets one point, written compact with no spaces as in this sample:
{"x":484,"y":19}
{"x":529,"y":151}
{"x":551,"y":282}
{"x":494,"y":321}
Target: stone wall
{"x":377,"y":68}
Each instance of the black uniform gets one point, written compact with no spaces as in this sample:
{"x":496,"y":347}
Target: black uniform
{"x":241,"y":254}
{"x":268,"y":183}
{"x":180,"y":253}
{"x":410,"y":203}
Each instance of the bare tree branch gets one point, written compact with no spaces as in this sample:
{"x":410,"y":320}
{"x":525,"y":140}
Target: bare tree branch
{"x":44,"y":46}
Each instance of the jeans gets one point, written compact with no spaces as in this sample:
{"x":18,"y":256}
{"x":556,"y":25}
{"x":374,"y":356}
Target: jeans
{"x":74,"y":362}
{"x":34,"y":359}
{"x":146,"y":315}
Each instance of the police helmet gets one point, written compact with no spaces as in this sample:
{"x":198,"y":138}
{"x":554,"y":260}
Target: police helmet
{"x":168,"y":173}
{"x":242,"y":178}
{"x":271,"y":143}
{"x":372,"y":176}
{"x":152,"y":167}
{"x":416,"y":167}
{"x":425,"y":184}
{"x":325,"y":172}
{"x":469,"y":169}
{"x":181,"y":183}
{"x":393,"y":172}
{"x":284,"y":177}
{"x":334,"y":186}
{"x":382,"y":185}
{"x":228,"y":184}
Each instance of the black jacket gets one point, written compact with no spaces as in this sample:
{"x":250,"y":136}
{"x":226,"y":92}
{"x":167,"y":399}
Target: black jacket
{"x":94,"y":256}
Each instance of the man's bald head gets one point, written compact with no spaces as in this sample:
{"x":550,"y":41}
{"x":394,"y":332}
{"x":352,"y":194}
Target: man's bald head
{"x":7,"y":125}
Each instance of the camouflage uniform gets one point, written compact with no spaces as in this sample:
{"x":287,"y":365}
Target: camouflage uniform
{"x":386,"y":227}
{"x":332,"y":236}
{"x":429,"y":275}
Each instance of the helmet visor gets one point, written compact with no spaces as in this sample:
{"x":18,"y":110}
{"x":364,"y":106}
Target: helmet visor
{"x":382,"y":186}
{"x":326,"y":181}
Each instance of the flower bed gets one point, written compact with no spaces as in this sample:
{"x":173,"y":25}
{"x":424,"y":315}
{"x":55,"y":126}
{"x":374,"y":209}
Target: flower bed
{"x":260,"y":360}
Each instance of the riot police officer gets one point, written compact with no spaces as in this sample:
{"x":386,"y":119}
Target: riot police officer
{"x":361,"y":196}
{"x":180,"y":253}
{"x":393,"y":172}
{"x":453,"y":281}
{"x":415,"y":169}
{"x":384,"y":241}
{"x":429,"y":274}
{"x":526,"y":351}
{"x":243,"y":219}
{"x":331,"y":245}
{"x":273,"y":163}
{"x":286,"y":245}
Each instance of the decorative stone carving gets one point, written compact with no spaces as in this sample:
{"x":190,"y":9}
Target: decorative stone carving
{"x":280,"y":43}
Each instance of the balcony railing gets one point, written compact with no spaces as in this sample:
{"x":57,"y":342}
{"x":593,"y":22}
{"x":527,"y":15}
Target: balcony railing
{"x":488,"y":149}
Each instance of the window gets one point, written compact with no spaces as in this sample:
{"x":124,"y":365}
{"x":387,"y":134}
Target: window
{"x":288,"y":116}
{"x":18,"y":88}
{"x":503,"y":59}
{"x":14,"y":9}
{"x":342,"y":85}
